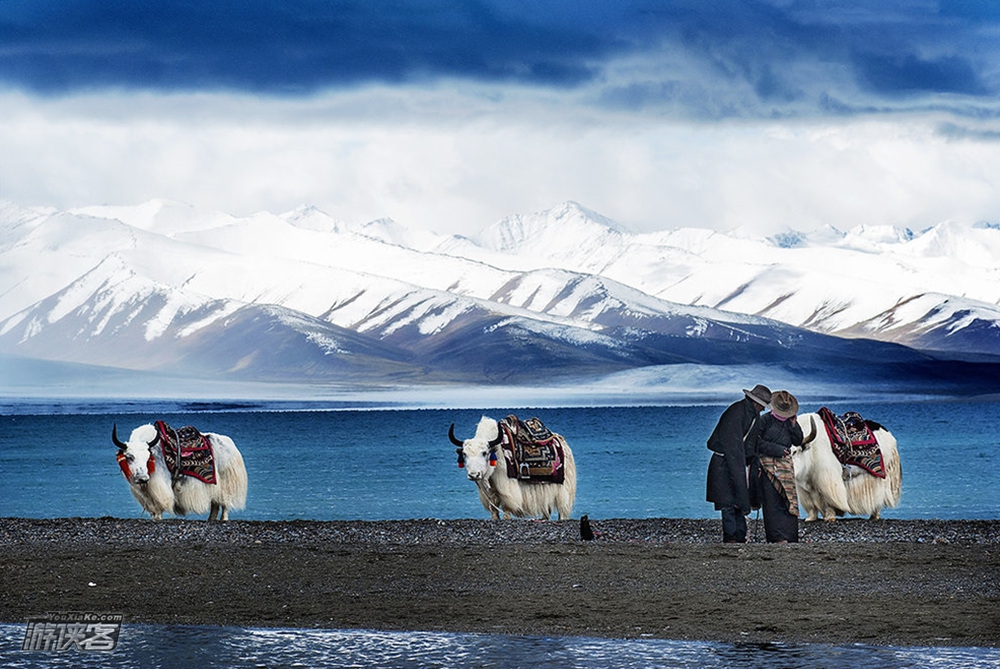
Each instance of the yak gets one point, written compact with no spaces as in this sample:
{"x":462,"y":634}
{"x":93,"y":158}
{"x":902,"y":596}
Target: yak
{"x":514,"y":496}
{"x":827,"y":487}
{"x":160,"y":490}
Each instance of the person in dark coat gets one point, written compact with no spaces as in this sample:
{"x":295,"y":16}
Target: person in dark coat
{"x":727,"y":473}
{"x":774,"y":473}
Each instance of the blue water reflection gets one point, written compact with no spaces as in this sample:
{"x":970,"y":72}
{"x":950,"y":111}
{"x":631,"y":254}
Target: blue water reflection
{"x":207,"y":647}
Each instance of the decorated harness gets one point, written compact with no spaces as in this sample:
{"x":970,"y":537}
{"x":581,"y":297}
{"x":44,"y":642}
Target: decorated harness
{"x":531,"y":451}
{"x":186,"y":452}
{"x":853,"y":441}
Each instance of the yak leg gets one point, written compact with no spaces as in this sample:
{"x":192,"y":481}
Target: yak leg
{"x":489,"y":500}
{"x":812,"y":502}
{"x":829,"y":514}
{"x":809,"y":502}
{"x":220,"y":510}
{"x":876,"y":515}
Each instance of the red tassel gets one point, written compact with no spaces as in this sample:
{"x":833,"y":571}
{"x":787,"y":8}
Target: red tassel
{"x":493,"y":458}
{"x":151,"y":465}
{"x":123,"y":463}
{"x":461,"y":461}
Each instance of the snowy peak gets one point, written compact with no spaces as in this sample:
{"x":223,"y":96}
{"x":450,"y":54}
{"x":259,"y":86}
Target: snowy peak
{"x":388,"y":231}
{"x":312,"y":218}
{"x":108,"y":298}
{"x":163,"y":217}
{"x":16,"y":221}
{"x":974,"y":245}
{"x":873,"y":238}
{"x":556,"y":229}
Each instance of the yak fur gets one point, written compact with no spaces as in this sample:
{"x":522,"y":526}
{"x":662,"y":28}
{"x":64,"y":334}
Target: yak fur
{"x":827,"y":487}
{"x":158,"y":494}
{"x":512,"y":497}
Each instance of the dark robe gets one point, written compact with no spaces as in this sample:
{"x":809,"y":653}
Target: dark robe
{"x":775,"y":491}
{"x":727,"y":476}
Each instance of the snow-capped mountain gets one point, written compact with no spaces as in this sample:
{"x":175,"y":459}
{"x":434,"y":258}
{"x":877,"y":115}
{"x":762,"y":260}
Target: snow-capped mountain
{"x":936,"y":290}
{"x":565,"y":293}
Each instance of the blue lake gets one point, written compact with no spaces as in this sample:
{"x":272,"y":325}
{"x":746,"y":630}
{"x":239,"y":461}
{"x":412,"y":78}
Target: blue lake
{"x":636,"y":462}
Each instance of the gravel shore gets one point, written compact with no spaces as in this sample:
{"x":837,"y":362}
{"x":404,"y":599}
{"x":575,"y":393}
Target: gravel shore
{"x":894,"y":582}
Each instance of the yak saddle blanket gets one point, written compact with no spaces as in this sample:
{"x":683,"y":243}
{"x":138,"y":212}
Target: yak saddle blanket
{"x":853,"y":441}
{"x":531,"y":451}
{"x":187,"y":451}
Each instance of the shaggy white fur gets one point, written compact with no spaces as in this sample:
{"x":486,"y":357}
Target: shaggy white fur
{"x":511,"y":497}
{"x":158,"y":495}
{"x":826,"y":487}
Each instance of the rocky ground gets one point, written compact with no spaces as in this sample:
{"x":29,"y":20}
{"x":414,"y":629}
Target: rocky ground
{"x":899,"y":582}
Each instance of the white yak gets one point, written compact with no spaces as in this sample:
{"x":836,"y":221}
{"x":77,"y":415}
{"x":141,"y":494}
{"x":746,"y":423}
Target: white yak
{"x":827,"y":487}
{"x":142,"y":462}
{"x":500,"y":494}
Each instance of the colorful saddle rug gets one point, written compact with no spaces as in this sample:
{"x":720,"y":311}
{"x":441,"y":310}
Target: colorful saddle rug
{"x":187,"y":451}
{"x":853,"y":441}
{"x":532,"y":453}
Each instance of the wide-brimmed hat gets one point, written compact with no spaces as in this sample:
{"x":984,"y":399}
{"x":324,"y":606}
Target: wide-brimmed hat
{"x":760,"y":394}
{"x":784,"y":404}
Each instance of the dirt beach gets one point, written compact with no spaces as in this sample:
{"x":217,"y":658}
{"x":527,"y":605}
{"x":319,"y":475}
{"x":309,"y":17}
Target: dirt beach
{"x":912,"y":582}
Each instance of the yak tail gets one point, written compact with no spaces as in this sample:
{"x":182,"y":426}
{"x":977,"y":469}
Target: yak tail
{"x":893,"y":468}
{"x":233,"y":482}
{"x":567,"y":495}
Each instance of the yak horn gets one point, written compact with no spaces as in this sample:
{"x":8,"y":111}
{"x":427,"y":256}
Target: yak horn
{"x":454,"y":439}
{"x":812,"y":432}
{"x":493,"y":443}
{"x":114,"y":438}
{"x":155,"y":440}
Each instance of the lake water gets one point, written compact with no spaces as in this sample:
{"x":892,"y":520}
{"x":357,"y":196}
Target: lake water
{"x":633,"y":462}
{"x":57,"y":460}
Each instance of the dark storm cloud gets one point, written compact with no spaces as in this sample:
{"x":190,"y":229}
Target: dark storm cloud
{"x":722,"y":58}
{"x":894,"y":75}
{"x":281,"y":47}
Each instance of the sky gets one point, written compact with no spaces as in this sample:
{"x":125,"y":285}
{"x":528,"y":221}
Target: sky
{"x":448,"y":116}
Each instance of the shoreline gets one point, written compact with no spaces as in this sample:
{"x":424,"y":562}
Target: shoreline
{"x":888,"y":582}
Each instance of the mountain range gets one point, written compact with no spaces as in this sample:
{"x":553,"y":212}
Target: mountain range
{"x":562,"y":296}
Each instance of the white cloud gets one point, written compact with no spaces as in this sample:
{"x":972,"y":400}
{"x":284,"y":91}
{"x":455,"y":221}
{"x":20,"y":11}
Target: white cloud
{"x":455,"y":159}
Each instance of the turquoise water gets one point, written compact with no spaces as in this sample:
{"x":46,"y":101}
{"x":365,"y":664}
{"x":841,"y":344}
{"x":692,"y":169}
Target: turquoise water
{"x":636,"y":462}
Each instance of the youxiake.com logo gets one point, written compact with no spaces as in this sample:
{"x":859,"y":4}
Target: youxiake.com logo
{"x":73,"y":629}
